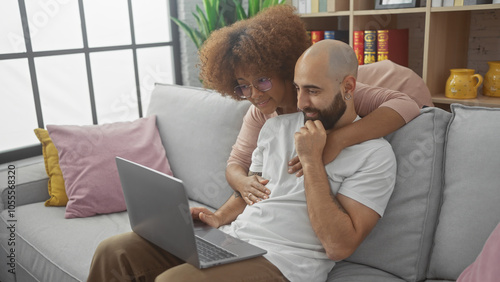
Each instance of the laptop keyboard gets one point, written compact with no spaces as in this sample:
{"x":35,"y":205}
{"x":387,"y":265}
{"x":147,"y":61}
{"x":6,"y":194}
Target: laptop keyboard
{"x":209,"y":252}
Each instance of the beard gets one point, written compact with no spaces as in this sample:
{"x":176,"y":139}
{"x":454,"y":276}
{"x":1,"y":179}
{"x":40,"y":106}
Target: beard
{"x":329,"y":116}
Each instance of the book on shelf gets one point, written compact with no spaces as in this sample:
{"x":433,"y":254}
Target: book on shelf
{"x":337,"y":5}
{"x":317,"y":35}
{"x":359,"y":45}
{"x":314,"y":6}
{"x":323,"y":6}
{"x":377,"y":45}
{"x":302,"y":6}
{"x":370,"y":46}
{"x":317,"y":6}
{"x":342,"y":35}
{"x":392,"y":44}
{"x":437,"y":3}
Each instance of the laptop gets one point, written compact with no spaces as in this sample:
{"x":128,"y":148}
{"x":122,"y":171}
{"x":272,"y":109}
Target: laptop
{"x":159,"y":212}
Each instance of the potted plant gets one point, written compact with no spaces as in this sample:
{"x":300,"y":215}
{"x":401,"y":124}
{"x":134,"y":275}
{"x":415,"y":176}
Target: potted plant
{"x":218,"y":14}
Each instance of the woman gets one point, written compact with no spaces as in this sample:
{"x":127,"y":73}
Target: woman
{"x":254,"y":59}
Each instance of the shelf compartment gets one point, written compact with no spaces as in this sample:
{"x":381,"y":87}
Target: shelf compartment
{"x":325,"y":14}
{"x":465,"y":8}
{"x":390,"y":11}
{"x":448,"y":47}
{"x":326,"y":23}
{"x":481,"y":101}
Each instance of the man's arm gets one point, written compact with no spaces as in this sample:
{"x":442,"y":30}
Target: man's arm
{"x":226,"y":214}
{"x":340,"y":223}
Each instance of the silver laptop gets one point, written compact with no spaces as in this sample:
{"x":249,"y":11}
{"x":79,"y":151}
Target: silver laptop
{"x":159,"y":212}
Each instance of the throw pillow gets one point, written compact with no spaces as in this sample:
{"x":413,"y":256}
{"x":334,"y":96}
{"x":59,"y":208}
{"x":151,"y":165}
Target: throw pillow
{"x":87,"y":160}
{"x":485,"y":268}
{"x":57,"y":191}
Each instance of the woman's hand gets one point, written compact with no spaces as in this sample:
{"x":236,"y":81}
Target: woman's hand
{"x":250,"y":186}
{"x":206,"y":216}
{"x":253,"y":189}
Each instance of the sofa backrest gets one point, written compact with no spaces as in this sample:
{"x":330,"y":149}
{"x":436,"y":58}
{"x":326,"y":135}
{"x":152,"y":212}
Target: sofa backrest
{"x":198,"y":128}
{"x":471,"y":193}
{"x":401,"y":241}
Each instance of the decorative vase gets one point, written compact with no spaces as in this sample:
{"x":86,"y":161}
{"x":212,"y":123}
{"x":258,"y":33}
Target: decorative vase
{"x":491,"y":85}
{"x":461,"y":85}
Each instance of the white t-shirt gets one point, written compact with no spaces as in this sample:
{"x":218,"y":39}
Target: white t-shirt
{"x":364,"y":172}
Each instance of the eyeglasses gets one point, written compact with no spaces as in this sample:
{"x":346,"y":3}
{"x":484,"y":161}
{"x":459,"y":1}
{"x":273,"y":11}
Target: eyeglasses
{"x":262,"y":84}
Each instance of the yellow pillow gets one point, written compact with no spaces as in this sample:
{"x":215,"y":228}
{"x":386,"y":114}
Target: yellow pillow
{"x":57,"y":189}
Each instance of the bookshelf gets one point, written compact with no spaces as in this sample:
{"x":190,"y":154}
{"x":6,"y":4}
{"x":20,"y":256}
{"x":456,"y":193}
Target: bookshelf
{"x":439,"y":39}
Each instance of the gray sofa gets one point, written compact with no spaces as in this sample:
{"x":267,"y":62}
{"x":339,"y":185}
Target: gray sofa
{"x":444,"y":206}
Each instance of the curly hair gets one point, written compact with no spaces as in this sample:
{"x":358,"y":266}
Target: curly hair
{"x":267,"y":44}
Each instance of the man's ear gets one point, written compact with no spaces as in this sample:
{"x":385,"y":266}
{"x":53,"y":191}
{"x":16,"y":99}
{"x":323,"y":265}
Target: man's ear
{"x":349,"y":84}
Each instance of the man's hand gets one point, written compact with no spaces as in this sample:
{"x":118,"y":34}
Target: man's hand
{"x":310,"y":142}
{"x":206,"y":216}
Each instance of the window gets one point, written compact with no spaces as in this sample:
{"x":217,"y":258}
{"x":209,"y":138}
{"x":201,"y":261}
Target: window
{"x":80,"y":62}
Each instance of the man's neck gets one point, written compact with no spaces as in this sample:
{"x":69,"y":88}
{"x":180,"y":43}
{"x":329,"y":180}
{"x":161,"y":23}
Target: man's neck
{"x":347,"y":118}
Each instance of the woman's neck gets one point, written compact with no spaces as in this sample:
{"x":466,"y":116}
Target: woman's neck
{"x":289,"y":104}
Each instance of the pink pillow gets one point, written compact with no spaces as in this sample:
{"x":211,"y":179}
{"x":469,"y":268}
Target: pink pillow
{"x":87,"y":160}
{"x":486,"y":267}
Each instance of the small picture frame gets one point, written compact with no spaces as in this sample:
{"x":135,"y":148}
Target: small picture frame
{"x":395,"y":4}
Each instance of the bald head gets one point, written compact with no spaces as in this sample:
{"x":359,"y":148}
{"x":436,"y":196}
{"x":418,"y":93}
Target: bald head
{"x":342,"y":60}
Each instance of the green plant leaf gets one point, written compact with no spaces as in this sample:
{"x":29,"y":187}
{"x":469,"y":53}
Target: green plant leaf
{"x":221,"y":22}
{"x":202,"y":21}
{"x":213,"y":17}
{"x":210,"y":10}
{"x":190,"y":32}
{"x":201,"y":37}
{"x":240,"y":12}
{"x":253,"y":7}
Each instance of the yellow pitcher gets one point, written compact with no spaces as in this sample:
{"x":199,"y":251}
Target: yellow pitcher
{"x":491,"y":85}
{"x":461,"y":85}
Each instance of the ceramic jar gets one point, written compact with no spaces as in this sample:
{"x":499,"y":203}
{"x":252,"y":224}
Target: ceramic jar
{"x":462,"y":85}
{"x":491,"y":85}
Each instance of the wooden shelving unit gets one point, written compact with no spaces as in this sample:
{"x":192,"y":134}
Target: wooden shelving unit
{"x":442,"y":46}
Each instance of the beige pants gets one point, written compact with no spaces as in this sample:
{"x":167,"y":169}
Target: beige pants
{"x":128,"y":257}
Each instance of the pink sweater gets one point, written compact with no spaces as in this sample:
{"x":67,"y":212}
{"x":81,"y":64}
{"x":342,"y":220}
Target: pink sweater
{"x":366,"y":99}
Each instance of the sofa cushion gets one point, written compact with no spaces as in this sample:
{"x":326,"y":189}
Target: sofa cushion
{"x":52,"y":248}
{"x":31,"y":182}
{"x":57,"y":190}
{"x":471,"y":196}
{"x":401,"y":241}
{"x":87,"y":160}
{"x":351,"y":272}
{"x":199,"y":162}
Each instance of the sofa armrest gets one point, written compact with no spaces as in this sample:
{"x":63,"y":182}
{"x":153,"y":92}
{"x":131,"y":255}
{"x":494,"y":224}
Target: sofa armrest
{"x":30,"y":183}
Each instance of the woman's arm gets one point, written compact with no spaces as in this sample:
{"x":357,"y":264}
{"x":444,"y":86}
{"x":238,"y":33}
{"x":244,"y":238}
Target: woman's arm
{"x":378,"y":123}
{"x":384,"y":111}
{"x":251,"y":188}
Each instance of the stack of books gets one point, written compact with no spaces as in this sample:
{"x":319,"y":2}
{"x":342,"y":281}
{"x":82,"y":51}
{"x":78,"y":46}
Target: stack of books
{"x":378,"y":45}
{"x":319,"y":6}
{"x":342,"y":35}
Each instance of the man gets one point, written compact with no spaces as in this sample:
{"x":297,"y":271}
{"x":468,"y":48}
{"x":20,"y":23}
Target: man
{"x":307,"y":223}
